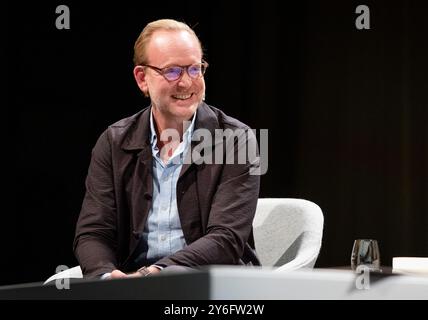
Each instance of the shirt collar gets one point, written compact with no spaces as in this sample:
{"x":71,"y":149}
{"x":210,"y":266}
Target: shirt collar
{"x":187,"y":135}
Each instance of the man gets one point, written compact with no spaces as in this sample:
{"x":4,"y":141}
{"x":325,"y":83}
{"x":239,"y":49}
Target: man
{"x":147,"y":209}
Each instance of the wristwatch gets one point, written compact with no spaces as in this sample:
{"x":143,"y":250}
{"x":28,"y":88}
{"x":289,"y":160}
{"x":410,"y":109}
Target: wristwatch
{"x":144,"y":271}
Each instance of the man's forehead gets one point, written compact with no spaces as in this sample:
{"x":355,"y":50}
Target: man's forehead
{"x":162,"y":38}
{"x":165,"y":42}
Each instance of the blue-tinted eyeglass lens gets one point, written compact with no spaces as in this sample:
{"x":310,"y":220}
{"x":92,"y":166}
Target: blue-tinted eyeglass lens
{"x":173,"y":73}
{"x":195,"y":70}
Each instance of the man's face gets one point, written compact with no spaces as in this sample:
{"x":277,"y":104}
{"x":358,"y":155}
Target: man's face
{"x":179,"y":99}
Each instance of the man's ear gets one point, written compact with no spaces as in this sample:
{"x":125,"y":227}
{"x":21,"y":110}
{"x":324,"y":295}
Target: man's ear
{"x":140,"y":78}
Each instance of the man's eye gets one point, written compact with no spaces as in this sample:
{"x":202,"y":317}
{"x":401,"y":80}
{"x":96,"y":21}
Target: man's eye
{"x":195,"y":70}
{"x":172,"y":71}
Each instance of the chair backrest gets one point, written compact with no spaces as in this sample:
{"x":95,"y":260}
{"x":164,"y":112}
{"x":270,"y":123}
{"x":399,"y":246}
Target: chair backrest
{"x":288,"y":233}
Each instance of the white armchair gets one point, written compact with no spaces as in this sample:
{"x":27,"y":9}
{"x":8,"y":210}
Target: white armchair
{"x":288,"y":233}
{"x":72,"y":273}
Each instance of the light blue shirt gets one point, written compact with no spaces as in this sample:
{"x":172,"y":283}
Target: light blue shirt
{"x":163,"y":233}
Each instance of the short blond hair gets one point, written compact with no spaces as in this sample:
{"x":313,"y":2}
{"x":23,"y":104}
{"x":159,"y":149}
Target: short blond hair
{"x":140,"y":47}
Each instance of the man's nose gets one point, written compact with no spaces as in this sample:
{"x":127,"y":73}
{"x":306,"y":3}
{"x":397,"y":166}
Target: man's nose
{"x":185,"y":80}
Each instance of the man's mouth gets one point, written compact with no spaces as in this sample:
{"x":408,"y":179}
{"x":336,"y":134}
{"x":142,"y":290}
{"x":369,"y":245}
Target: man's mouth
{"x":182,"y":96}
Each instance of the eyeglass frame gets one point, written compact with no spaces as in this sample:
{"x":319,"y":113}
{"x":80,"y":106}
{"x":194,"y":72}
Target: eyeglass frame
{"x":203,"y":64}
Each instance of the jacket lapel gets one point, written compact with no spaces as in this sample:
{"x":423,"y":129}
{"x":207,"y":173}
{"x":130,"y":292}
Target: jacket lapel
{"x":205,"y":119}
{"x":141,"y":188}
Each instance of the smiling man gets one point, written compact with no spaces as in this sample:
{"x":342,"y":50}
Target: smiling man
{"x":146,"y":210}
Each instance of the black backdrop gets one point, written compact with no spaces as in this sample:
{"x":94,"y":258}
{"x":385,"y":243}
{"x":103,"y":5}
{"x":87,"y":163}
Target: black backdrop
{"x":346,"y":111}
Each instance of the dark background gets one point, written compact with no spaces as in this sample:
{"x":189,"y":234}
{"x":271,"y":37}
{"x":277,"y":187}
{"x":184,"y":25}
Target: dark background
{"x":346,"y":111}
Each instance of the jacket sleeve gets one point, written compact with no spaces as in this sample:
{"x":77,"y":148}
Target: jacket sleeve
{"x":95,"y":239}
{"x":230,"y":218}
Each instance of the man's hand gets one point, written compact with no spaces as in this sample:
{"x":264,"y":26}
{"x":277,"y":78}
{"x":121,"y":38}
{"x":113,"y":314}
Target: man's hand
{"x":117,"y":274}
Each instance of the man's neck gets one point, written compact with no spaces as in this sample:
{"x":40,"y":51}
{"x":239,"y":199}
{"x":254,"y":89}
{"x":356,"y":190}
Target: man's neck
{"x":161,"y":123}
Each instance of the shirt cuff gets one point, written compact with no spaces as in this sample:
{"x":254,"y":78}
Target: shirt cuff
{"x":157,"y":266}
{"x":105,"y":276}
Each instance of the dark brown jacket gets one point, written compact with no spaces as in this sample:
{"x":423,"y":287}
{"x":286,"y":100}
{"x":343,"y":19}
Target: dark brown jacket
{"x":216,"y":202}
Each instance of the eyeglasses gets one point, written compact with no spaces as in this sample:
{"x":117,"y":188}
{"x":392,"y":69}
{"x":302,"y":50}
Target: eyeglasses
{"x":174,"y":73}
